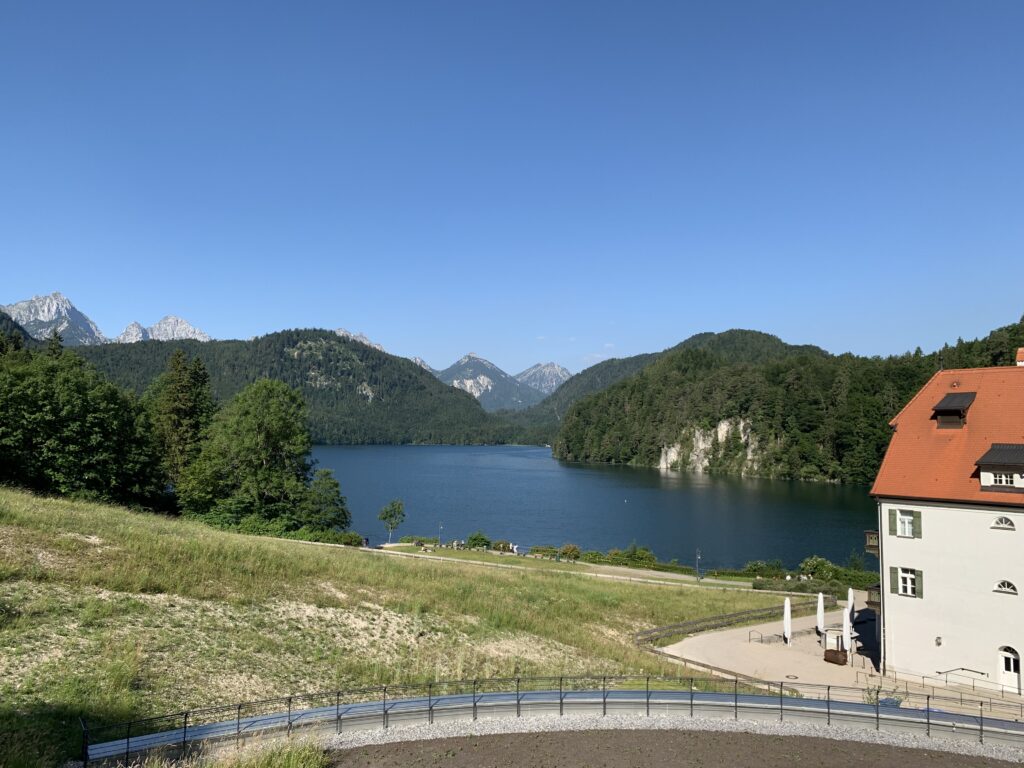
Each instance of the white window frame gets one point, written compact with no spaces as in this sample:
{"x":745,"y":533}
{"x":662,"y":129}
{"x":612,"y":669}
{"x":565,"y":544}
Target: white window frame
{"x":1002,"y":478}
{"x":908,"y":582}
{"x":1005,"y":587}
{"x":905,"y":524}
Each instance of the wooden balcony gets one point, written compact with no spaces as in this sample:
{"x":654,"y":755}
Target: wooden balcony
{"x":871,"y":542}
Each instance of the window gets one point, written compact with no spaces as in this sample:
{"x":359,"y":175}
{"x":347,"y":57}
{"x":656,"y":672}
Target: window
{"x":1002,"y":478}
{"x":906,"y":523}
{"x":1004,"y":523}
{"x":908,"y":582}
{"x":1006,"y":587}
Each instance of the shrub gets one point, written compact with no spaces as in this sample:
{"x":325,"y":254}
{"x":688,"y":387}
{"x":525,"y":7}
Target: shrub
{"x":478,"y":540}
{"x":593,"y":556}
{"x":418,"y":540}
{"x":569,"y":552}
{"x":818,"y":568}
{"x":771,"y":569}
{"x":502,"y":546}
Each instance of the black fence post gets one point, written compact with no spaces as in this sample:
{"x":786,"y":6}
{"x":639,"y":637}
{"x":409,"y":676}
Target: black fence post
{"x":735,"y":698}
{"x":781,"y":710}
{"x":337,"y":712}
{"x":85,"y":743}
{"x":691,"y":697}
{"x":289,"y":715}
{"x":981,"y":722}
{"x":648,"y":695}
{"x":384,"y":707}
{"x":184,"y":735}
{"x":604,"y":696}
{"x":928,"y":713}
{"x":430,"y":703}
{"x":127,"y":743}
{"x":828,"y":703}
{"x":474,"y":698}
{"x":518,"y":713}
{"x":561,"y":708}
{"x":878,"y":722}
{"x":238,"y":725}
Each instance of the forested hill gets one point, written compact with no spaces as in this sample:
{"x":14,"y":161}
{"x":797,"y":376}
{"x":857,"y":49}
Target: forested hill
{"x":9,"y":328}
{"x":541,"y":423}
{"x":800,"y":414}
{"x":356,"y":394}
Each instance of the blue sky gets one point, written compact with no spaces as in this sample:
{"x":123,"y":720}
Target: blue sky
{"x":526,"y":180}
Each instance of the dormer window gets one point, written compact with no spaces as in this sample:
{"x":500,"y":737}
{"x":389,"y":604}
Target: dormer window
{"x":951,"y":411}
{"x":1002,"y":468}
{"x":1004,"y":523}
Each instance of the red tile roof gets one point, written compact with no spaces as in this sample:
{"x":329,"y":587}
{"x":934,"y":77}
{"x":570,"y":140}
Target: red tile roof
{"x":924,"y":462}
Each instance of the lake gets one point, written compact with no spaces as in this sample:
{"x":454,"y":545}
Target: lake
{"x":522,"y":494}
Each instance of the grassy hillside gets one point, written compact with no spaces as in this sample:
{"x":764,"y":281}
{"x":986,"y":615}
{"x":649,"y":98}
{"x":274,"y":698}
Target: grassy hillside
{"x":110,"y":614}
{"x":356,"y":394}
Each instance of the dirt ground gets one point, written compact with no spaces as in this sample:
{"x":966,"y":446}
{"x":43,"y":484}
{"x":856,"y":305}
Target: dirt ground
{"x":647,"y":749}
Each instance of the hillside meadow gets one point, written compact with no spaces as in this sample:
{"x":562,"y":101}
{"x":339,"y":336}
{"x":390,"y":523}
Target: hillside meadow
{"x":111,"y":614}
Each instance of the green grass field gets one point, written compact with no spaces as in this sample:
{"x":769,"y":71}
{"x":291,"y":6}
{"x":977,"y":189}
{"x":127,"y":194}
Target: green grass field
{"x":111,"y":615}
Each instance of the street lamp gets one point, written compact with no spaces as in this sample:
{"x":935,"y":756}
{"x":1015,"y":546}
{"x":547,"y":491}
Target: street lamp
{"x":439,"y":527}
{"x":698,"y":565}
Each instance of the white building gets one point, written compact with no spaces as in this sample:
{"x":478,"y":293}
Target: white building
{"x":950,"y":540}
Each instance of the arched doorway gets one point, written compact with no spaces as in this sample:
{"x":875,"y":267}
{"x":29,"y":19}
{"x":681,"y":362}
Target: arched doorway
{"x":1009,"y":668}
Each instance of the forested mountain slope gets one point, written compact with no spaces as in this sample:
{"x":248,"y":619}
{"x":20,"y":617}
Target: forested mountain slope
{"x":356,"y":394}
{"x":540,"y":424}
{"x":803,"y":414}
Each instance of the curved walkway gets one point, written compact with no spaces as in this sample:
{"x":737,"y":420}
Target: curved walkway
{"x":383,"y":713}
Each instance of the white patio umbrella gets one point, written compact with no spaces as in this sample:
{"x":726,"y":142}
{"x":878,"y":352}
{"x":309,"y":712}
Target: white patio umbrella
{"x":821,"y":614}
{"x":849,"y":602}
{"x":847,"y":634}
{"x":787,"y":622}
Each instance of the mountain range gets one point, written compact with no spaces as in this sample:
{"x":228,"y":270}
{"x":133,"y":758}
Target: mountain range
{"x":500,"y":391}
{"x":41,"y":316}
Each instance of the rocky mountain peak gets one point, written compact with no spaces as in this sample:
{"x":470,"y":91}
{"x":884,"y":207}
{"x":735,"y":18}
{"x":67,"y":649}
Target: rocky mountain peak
{"x":169,"y":328}
{"x":544,"y":377}
{"x":360,"y":337}
{"x":40,"y":316}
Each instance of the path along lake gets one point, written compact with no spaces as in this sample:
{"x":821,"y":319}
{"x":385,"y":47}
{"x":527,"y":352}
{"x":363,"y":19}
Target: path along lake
{"x":523,"y":495}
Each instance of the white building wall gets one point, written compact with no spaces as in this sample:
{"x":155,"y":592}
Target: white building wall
{"x":962,"y":558}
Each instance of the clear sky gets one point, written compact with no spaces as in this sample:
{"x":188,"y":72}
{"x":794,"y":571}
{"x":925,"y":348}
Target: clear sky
{"x":530,"y":181}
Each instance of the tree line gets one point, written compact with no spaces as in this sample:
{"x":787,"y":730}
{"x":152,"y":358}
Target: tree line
{"x":811,"y":415}
{"x":67,"y":430}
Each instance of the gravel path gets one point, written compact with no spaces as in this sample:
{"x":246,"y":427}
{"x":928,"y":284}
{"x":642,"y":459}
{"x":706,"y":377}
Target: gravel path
{"x":711,"y":727}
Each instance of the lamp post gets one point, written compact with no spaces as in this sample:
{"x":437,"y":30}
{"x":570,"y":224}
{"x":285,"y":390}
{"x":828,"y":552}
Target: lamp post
{"x":439,"y":527}
{"x":698,"y":564}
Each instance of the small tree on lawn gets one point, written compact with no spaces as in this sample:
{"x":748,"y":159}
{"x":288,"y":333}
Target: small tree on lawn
{"x":393,"y":515}
{"x":478,"y":540}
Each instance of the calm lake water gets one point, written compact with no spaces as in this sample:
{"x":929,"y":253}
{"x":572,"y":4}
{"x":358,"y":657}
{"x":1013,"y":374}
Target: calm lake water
{"x":525,"y":496}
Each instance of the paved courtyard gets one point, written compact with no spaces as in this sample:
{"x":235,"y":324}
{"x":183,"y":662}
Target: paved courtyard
{"x":738,"y":650}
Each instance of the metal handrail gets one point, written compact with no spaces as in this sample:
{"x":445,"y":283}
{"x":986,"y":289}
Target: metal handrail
{"x":850,"y":703}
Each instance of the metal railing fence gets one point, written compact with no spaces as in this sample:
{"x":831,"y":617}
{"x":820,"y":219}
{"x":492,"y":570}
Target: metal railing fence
{"x":721,"y":621}
{"x":178,"y":734}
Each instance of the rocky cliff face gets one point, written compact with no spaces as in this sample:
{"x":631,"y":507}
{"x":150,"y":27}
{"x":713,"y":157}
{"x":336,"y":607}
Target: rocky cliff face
{"x":544,"y":377}
{"x":40,"y":316}
{"x":731,"y":445}
{"x":360,"y":337}
{"x":170,"y":328}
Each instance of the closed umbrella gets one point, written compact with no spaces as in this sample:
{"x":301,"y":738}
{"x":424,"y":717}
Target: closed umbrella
{"x":847,"y":634}
{"x":849,"y":602}
{"x":821,"y":614}
{"x":787,"y":622}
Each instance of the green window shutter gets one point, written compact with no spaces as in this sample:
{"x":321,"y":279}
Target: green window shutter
{"x":917,"y":525}
{"x":919,"y":578}
{"x":894,"y":580}
{"x":892,"y":522}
